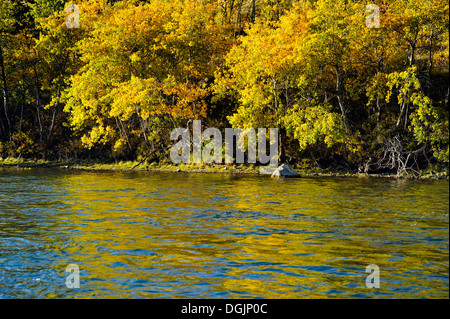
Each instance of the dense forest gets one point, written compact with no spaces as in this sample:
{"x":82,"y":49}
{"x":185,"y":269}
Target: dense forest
{"x":114,"y":83}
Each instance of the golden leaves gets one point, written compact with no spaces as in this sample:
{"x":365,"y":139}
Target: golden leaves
{"x":143,"y":61}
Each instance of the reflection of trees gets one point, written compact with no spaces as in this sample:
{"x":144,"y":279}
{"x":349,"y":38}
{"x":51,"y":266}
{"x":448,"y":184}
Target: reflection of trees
{"x":158,"y":235}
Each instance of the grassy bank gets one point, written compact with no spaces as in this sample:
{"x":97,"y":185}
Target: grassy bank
{"x":15,"y":163}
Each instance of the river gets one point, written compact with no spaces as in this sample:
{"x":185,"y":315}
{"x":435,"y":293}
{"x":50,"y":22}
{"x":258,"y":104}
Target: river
{"x":194,"y":235}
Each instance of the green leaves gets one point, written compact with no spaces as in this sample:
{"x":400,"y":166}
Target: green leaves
{"x":310,"y":124}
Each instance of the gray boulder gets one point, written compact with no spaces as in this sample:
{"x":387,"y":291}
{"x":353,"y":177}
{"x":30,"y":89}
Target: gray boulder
{"x":285,"y":171}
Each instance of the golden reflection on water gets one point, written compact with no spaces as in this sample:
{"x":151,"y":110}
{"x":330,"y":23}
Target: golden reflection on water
{"x":164,"y":235}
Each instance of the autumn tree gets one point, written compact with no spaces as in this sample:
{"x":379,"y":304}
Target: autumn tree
{"x":147,"y":69}
{"x":341,"y":90}
{"x":7,"y":23}
{"x":326,"y":78}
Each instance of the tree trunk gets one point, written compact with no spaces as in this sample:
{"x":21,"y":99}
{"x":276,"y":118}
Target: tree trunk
{"x":275,"y":99}
{"x":430,"y":53}
{"x":253,"y":11}
{"x":124,"y":132}
{"x":53,"y":117}
{"x":21,"y":110}
{"x":402,"y":110}
{"x":231,"y":10}
{"x":143,"y":125}
{"x":341,"y":100}
{"x":5,"y":94}
{"x":38,"y":101}
{"x":412,"y":53}
{"x":238,"y":17}
{"x":378,"y":111}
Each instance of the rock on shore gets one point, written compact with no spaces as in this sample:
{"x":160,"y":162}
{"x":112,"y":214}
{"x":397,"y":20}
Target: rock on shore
{"x":285,"y":171}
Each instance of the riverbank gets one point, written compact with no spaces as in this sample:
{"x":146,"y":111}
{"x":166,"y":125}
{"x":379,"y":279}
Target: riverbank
{"x":14,"y":163}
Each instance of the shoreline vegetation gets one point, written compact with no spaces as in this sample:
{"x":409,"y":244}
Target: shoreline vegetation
{"x":349,"y":92}
{"x":436,"y":172}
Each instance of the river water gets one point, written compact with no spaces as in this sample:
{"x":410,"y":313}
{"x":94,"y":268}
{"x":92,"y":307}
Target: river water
{"x":187,"y":235}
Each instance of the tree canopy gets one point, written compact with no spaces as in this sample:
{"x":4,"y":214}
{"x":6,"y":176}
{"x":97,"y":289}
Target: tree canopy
{"x":340,"y":92}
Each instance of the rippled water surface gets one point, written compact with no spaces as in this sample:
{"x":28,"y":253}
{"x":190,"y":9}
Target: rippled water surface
{"x":179,"y":235}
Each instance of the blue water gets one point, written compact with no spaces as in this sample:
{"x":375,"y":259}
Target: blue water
{"x":180,"y":235}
